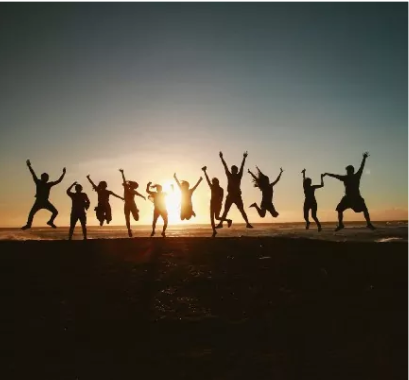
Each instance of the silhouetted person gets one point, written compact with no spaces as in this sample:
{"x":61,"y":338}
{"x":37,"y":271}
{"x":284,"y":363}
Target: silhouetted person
{"x":233,"y":190}
{"x":130,"y":205}
{"x":80,"y":203}
{"x":352,"y":198}
{"x":42,"y":194}
{"x":186,"y":207}
{"x":263,"y":183}
{"x":158,"y":198}
{"x":310,"y":202}
{"x":103,"y":210}
{"x":216,"y":201}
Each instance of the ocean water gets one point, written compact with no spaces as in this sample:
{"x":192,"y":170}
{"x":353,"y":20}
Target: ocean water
{"x":385,"y":232}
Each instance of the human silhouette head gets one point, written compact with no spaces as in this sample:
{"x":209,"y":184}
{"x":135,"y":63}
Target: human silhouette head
{"x":350,"y":169}
{"x":45,"y":177}
{"x":133,"y":185}
{"x":185,"y":185}
{"x":78,"y":188}
{"x":215,"y":181}
{"x":102,"y":185}
{"x":307,"y":182}
{"x":158,"y":188}
{"x":234,"y":169}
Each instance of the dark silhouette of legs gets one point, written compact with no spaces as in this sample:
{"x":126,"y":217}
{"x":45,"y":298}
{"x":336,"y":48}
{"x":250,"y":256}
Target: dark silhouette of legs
{"x":155,"y":219}
{"x":108,"y":213}
{"x":340,"y":221}
{"x":368,"y":219}
{"x":314,"y":216}
{"x":261,"y":211}
{"x":165,"y":223}
{"x":83,"y":221}
{"x":73,"y":222}
{"x":227,"y":206}
{"x":306,"y":216}
{"x":240,"y":206}
{"x":38,"y":206}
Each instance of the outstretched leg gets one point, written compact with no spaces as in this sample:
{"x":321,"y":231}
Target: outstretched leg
{"x":340,"y":221}
{"x":127,"y":213}
{"x":83,"y":221}
{"x":239,"y":204}
{"x":73,"y":222}
{"x":261,"y":211}
{"x":306,"y":216}
{"x":217,"y":208}
{"x":48,"y":206}
{"x":36,"y":207}
{"x":165,"y":223}
{"x":314,"y":216}
{"x":155,"y":219}
{"x":368,"y":219}
{"x":227,"y":206}
{"x":212,"y":217}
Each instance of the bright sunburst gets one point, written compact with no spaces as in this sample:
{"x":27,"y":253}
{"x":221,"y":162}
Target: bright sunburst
{"x":172,"y":201}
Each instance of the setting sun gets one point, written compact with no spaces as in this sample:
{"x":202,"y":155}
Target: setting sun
{"x":172,"y":201}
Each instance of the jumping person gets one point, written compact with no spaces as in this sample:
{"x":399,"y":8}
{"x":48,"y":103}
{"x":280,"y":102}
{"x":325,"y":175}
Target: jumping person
{"x":263,"y":183}
{"x":80,"y":203}
{"x":130,"y":205}
{"x":159,"y":201}
{"x":216,"y":201}
{"x":352,"y":198}
{"x":233,"y":190}
{"x":43,"y":188}
{"x":103,"y":210}
{"x":310,"y":202}
{"x":186,"y":207}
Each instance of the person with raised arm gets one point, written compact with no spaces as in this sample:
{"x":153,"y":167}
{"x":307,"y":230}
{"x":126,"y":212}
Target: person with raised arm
{"x":263,"y":183}
{"x":352,"y":198}
{"x":130,"y":205}
{"x":186,"y":206}
{"x":216,"y":200}
{"x":80,"y":204}
{"x":158,"y":198}
{"x":103,"y":210}
{"x":233,"y":190}
{"x":43,"y":188}
{"x":310,"y":202}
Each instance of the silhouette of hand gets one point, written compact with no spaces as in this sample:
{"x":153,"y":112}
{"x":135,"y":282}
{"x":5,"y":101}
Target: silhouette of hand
{"x":281,"y":170}
{"x":121,"y":170}
{"x":75,"y":182}
{"x":323,"y":175}
{"x":88,"y":176}
{"x":221,"y":154}
{"x":64,"y":170}
{"x":149,"y":184}
{"x":303,"y":171}
{"x":248,"y":171}
{"x":28,"y":162}
{"x":245,"y":154}
{"x":366,"y":154}
{"x":204,"y":168}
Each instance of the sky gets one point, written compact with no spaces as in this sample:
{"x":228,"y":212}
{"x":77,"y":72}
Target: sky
{"x":158,"y":88}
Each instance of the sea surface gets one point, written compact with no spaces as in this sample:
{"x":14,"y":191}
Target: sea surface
{"x":354,"y":231}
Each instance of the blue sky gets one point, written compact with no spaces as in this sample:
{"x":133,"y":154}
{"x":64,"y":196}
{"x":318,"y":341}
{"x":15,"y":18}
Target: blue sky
{"x":158,"y":88}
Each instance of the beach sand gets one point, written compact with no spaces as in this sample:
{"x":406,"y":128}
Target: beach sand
{"x":202,"y":308}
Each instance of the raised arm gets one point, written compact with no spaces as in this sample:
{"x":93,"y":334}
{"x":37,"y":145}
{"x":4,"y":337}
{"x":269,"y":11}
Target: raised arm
{"x":32,"y":171}
{"x":59,"y":179}
{"x":245,"y":154}
{"x":361,"y":169}
{"x":322,"y":182}
{"x":278,"y":178}
{"x":303,"y":175}
{"x":226,"y":169}
{"x":123,"y":175}
{"x":69,"y":192}
{"x":197,"y":184}
{"x":147,"y":188}
{"x":206,"y":176}
{"x":176,"y":179}
{"x":252,"y":174}
{"x":92,"y":183}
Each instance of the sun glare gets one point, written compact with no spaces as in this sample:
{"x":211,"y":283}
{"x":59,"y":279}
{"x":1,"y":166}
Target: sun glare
{"x":172,"y":201}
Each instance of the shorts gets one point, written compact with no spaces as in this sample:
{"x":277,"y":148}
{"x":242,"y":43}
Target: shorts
{"x":236,"y":199}
{"x":355,"y":203}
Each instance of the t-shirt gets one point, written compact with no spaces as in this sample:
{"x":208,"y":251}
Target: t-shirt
{"x":233,"y":183}
{"x":217,"y":194}
{"x":43,"y":190}
{"x":80,"y":202}
{"x":129,"y":194}
{"x":103,"y":196}
{"x":351,"y":183}
{"x":267,"y":194}
{"x":309,"y":192}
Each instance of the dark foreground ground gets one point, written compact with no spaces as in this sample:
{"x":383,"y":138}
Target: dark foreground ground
{"x":197,"y":308}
